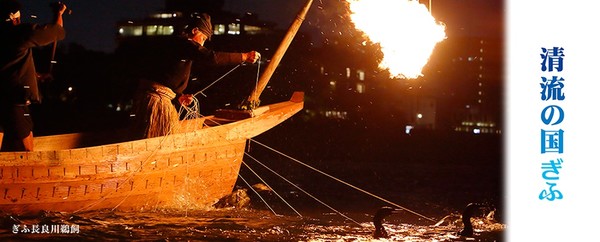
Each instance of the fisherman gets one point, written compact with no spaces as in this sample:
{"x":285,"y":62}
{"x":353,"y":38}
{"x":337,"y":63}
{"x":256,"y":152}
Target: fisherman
{"x":18,"y":76}
{"x":167,"y":71}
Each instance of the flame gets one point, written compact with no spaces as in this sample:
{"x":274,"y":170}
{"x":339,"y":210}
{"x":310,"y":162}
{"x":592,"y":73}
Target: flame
{"x":405,"y":30}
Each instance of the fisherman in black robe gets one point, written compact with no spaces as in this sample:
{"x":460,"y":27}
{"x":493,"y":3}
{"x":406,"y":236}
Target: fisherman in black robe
{"x":18,"y":76}
{"x":166,"y":72}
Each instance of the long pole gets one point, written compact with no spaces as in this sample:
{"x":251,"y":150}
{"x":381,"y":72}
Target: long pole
{"x":253,"y":100}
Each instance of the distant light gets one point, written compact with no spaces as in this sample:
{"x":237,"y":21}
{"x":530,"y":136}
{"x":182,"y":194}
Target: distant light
{"x":419,"y":116}
{"x":476,"y":131}
{"x":70,"y":89}
{"x":408,"y":129}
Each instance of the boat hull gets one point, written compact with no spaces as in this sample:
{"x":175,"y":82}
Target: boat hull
{"x":191,"y":169}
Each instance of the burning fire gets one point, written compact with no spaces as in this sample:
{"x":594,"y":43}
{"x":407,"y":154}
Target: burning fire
{"x":405,"y":30}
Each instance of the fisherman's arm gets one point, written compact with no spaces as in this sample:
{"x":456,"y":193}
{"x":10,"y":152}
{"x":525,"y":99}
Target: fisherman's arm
{"x":48,"y":33}
{"x":224,"y":58}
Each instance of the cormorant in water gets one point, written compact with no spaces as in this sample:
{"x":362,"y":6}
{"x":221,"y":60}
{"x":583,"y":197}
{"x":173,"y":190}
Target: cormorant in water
{"x":466,"y":219}
{"x":378,"y":220}
{"x":383,"y":212}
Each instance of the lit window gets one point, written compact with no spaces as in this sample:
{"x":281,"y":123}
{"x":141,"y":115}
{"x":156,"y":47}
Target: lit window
{"x":361,"y":75}
{"x":151,"y":29}
{"x":360,"y":87}
{"x":347,"y":72}
{"x":165,"y":30}
{"x":164,"y":15}
{"x":131,"y":30}
{"x":234,"y":29}
{"x":249,"y":29}
{"x":219,"y":29}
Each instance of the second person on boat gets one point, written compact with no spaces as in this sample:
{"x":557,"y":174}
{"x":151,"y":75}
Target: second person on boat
{"x":167,"y":71}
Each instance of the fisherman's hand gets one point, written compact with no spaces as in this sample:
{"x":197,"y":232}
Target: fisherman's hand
{"x":251,"y":57}
{"x":186,"y":99}
{"x":59,"y":8}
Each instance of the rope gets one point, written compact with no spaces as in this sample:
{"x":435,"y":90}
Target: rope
{"x":305,"y":192}
{"x":257,"y":75}
{"x":218,"y":79}
{"x":280,"y":197}
{"x":261,"y":198}
{"x":192,"y":110}
{"x":343,"y":182}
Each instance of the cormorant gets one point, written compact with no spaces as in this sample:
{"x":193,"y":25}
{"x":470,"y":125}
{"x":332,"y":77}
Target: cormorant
{"x":378,"y":221}
{"x":466,"y":218}
{"x":383,"y":212}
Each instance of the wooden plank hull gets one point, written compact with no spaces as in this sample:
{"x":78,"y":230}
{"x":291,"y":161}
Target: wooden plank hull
{"x":191,"y":169}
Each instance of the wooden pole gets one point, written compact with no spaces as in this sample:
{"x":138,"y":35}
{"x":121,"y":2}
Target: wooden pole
{"x":253,"y":100}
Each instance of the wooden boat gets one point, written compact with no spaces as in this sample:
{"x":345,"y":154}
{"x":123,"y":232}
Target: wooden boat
{"x":190,"y":169}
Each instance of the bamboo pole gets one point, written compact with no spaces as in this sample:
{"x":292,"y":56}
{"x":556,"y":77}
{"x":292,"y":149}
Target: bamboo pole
{"x":253,"y":100}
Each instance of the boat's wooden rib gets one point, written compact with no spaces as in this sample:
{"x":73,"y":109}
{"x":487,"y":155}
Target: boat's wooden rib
{"x":192,"y":168}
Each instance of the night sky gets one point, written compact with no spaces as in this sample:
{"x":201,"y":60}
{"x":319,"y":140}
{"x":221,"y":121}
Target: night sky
{"x":92,"y":23}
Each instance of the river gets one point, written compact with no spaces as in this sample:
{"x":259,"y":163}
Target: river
{"x":333,"y":186}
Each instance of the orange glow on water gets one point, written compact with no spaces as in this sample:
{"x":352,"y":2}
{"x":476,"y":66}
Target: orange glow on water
{"x":405,"y":30}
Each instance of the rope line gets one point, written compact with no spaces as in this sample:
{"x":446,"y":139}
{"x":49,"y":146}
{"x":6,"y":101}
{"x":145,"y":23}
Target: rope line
{"x":280,"y":197}
{"x":254,"y":190}
{"x":257,"y":75}
{"x":343,"y":182}
{"x":218,"y":79}
{"x":305,"y":192}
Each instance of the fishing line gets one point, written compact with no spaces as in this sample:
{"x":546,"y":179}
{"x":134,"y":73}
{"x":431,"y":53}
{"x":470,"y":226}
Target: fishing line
{"x":257,"y":74}
{"x":280,"y":197}
{"x":218,"y":79}
{"x":343,"y":182}
{"x":305,"y":192}
{"x":261,"y":198}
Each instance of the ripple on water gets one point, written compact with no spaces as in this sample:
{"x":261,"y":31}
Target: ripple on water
{"x":236,"y":225}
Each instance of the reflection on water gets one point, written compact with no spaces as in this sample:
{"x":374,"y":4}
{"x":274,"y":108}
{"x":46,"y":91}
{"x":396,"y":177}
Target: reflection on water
{"x":238,"y":225}
{"x":435,"y":175}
